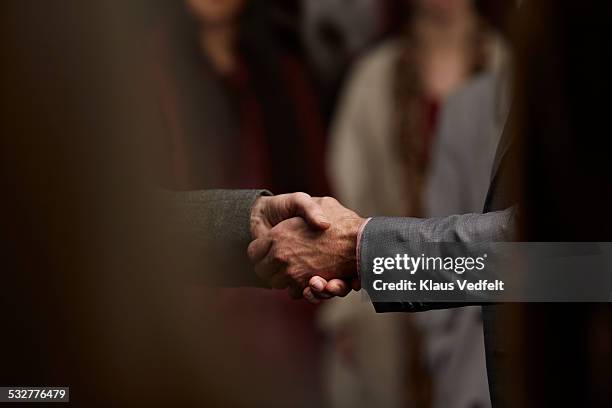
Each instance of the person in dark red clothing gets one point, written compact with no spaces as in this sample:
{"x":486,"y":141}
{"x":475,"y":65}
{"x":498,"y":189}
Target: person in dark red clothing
{"x":241,"y":113}
{"x":241,"y":110}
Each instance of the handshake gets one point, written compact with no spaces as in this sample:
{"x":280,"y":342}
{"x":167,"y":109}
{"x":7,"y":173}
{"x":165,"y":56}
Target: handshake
{"x":305,"y":244}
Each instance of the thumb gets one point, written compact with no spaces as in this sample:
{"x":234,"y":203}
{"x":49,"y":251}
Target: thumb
{"x":303,"y":205}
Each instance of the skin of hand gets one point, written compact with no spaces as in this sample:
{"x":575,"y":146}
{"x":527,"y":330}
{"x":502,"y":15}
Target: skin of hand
{"x":292,"y":252}
{"x":319,"y":288}
{"x":268,"y":211}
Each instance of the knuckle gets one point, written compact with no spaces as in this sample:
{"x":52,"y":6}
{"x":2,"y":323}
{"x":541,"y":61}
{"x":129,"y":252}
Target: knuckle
{"x":275,"y":235}
{"x":329,"y":200}
{"x":275,"y":253}
{"x":279,"y":254}
{"x":292,"y":271}
{"x":301,"y":196}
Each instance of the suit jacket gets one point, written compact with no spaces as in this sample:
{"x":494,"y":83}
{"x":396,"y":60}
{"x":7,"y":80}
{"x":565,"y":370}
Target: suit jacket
{"x":210,"y":231}
{"x":387,"y":236}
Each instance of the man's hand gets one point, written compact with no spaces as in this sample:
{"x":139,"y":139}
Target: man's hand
{"x":271,"y":210}
{"x":292,"y":252}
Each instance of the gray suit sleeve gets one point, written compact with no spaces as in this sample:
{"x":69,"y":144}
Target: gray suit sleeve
{"x":387,"y":236}
{"x":213,"y":228}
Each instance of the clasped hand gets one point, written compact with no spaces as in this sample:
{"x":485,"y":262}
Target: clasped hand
{"x":305,"y":244}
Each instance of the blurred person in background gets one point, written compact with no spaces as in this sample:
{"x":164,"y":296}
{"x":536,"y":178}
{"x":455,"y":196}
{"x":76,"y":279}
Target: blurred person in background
{"x":388,"y":113}
{"x":471,"y":123}
{"x":242,"y":114}
{"x":239,"y":106}
{"x":334,"y":33}
{"x":378,"y":163}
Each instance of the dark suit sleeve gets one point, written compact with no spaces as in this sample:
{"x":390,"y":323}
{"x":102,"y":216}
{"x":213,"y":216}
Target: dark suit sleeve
{"x":211,"y":229}
{"x":387,"y":236}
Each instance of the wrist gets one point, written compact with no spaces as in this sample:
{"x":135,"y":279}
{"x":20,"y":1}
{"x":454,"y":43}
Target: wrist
{"x":358,"y":249}
{"x":352,"y":229}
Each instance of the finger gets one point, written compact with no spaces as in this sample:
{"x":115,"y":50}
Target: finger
{"x":258,"y":249}
{"x":317,"y":287}
{"x":356,"y":284}
{"x":259,"y":228}
{"x":337,"y":287}
{"x":317,"y":284}
{"x":303,"y":205}
{"x":309,"y":296}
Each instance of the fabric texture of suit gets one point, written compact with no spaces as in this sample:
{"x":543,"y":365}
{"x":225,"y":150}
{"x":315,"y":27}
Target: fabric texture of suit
{"x":215,"y":228}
